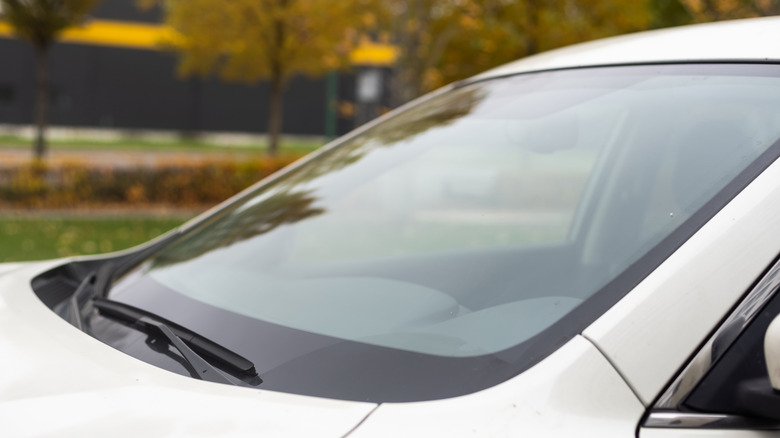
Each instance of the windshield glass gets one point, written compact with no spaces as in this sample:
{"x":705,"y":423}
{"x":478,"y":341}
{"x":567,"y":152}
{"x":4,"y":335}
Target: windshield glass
{"x":475,"y":221}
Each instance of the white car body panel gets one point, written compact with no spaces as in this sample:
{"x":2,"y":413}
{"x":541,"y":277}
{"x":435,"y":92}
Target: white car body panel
{"x":573,"y":391}
{"x":95,"y":389}
{"x":663,"y":320}
{"x":9,"y":267}
{"x":737,"y":40}
{"x":63,"y":383}
{"x":706,"y":433}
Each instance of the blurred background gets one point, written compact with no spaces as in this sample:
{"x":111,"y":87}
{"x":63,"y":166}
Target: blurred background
{"x":121,"y":119}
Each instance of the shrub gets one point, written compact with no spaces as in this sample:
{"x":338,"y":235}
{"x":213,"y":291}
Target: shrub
{"x":81,"y":184}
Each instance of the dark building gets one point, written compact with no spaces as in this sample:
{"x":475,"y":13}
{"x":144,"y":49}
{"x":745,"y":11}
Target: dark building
{"x":110,"y":86}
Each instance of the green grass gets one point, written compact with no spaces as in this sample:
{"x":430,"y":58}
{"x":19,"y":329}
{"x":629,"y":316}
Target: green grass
{"x":24,"y":239}
{"x":294,"y":145}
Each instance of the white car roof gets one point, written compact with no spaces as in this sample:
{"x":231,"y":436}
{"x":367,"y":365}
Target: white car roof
{"x":752,"y":40}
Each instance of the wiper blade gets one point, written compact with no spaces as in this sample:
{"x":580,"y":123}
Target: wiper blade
{"x":178,"y":336}
{"x":203,"y":369}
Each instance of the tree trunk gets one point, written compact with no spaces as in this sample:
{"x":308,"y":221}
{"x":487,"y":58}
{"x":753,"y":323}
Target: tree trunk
{"x":275,"y":118}
{"x":42,"y":102}
{"x":533,"y":13}
{"x":277,"y":83}
{"x":408,"y":76}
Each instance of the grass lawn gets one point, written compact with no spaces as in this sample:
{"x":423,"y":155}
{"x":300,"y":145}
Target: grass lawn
{"x":293,"y":145}
{"x":46,"y":238}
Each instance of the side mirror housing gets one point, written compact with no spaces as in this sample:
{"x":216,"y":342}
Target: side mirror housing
{"x":772,"y":353}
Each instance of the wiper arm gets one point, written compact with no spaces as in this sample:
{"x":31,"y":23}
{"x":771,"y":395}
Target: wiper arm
{"x":97,"y":283}
{"x":203,"y":369}
{"x":78,"y":308}
{"x":184,"y":340}
{"x":76,"y":303}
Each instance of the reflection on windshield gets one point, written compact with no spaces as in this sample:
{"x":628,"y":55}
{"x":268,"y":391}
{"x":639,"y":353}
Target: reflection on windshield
{"x":285,"y":205}
{"x":422,"y":118}
{"x":254,"y":220}
{"x":474,"y":221}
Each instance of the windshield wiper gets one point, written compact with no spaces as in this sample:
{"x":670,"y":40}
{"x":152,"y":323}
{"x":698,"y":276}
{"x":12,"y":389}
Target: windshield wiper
{"x":191,"y":345}
{"x":97,"y":283}
{"x":75,"y":309}
{"x":203,"y":370}
{"x":78,"y":307}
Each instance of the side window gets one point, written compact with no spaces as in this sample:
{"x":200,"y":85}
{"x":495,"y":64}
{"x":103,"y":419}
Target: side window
{"x":726,"y":385}
{"x":718,"y":391}
{"x":741,"y":362}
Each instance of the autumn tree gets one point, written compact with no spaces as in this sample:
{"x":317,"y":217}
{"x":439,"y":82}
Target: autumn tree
{"x":667,"y":13}
{"x":444,"y":41}
{"x":253,"y":40}
{"x":715,"y":10}
{"x":40,"y":22}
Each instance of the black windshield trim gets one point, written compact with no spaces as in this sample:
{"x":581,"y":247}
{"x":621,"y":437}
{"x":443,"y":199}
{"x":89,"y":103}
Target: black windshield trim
{"x":685,"y":64}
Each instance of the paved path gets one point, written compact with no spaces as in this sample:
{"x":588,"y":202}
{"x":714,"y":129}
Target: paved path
{"x":103,"y":212}
{"x":10,"y":157}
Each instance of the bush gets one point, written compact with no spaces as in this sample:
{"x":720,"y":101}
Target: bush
{"x":77,"y":184}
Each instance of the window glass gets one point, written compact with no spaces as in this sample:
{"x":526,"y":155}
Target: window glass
{"x":476,"y":220}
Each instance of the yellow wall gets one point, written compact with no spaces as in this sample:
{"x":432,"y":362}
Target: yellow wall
{"x":152,"y":37}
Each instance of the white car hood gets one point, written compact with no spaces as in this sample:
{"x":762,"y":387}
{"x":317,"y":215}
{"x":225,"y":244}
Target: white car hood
{"x":56,"y":381}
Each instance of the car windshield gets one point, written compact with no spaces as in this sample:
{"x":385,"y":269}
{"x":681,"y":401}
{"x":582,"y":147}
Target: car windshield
{"x":471,"y":227}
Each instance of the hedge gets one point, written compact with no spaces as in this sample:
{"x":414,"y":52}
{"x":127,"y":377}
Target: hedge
{"x":75,"y":184}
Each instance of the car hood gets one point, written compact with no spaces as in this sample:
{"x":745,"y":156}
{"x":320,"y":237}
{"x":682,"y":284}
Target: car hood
{"x":63,"y":383}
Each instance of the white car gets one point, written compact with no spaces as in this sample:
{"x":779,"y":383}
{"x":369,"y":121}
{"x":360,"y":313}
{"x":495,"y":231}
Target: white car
{"x":581,"y":243}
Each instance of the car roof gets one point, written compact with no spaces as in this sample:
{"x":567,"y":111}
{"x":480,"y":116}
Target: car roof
{"x":749,"y":40}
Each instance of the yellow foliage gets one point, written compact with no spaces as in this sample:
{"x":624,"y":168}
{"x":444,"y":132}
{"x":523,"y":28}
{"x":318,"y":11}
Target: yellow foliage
{"x":250,"y":40}
{"x":42,"y":23}
{"x":441,"y":41}
{"x":713,"y":10}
